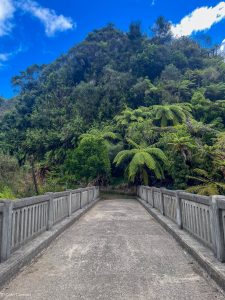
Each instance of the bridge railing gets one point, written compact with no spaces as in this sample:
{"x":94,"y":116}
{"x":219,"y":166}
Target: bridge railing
{"x":23,"y":219}
{"x":202,"y":216}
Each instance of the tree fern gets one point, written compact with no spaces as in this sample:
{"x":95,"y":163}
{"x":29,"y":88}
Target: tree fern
{"x":172,"y":114}
{"x":142,"y":159}
{"x":208,"y":184}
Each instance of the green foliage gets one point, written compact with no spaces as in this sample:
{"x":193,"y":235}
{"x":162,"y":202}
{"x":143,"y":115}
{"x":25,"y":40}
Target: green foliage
{"x":14,"y":180}
{"x":71,"y":118}
{"x":167,"y":115}
{"x":6,"y":193}
{"x":162,"y":31}
{"x":208,"y":185}
{"x":89,"y":161}
{"x":141,"y":159}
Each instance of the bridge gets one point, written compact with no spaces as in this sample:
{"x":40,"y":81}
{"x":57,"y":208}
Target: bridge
{"x":161,"y":244}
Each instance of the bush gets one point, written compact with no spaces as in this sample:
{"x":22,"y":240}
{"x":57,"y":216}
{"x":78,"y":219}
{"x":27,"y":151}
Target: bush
{"x":89,"y":162}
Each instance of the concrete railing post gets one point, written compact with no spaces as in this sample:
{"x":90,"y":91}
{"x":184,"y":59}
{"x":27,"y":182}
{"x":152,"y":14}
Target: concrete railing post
{"x":96,"y":192}
{"x":217,"y":230}
{"x":153,"y":197}
{"x":81,"y":199}
{"x":147,"y":194}
{"x":6,"y":231}
{"x":137,"y":190}
{"x":162,"y":202}
{"x":70,"y":203}
{"x":88,"y":195}
{"x":50,"y":211}
{"x":144,"y":193}
{"x":179,"y":210}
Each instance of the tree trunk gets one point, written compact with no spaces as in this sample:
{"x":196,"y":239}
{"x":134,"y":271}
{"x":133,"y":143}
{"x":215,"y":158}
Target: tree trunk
{"x":34,"y":176}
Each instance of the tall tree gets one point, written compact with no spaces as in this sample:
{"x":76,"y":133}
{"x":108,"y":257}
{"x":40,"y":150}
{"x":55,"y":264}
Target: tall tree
{"x":141,"y":159}
{"x":161,"y":31}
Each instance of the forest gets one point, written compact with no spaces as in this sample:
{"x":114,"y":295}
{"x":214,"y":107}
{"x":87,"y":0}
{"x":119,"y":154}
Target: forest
{"x":119,"y":109}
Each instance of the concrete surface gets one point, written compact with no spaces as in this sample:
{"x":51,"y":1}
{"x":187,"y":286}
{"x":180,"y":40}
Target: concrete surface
{"x":24,"y":255}
{"x":202,"y":254}
{"x":115,"y":251}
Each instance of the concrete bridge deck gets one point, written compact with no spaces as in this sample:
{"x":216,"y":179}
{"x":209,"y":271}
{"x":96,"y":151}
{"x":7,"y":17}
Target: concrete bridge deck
{"x":115,"y":251}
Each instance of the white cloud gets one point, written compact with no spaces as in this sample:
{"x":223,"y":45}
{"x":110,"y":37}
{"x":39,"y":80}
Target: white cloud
{"x":222,"y":48}
{"x":7,"y":10}
{"x":200,"y":19}
{"x":4,"y":57}
{"x":52,"y":22}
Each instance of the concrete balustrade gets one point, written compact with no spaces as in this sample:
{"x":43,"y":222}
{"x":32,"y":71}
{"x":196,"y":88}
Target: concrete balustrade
{"x":202,"y":216}
{"x":23,"y":219}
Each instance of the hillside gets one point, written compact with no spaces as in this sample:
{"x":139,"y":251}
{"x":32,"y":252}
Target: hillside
{"x":122,"y":90}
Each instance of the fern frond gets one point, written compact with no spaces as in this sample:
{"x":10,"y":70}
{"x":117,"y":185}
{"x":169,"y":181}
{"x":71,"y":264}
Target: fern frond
{"x":203,"y":180}
{"x":194,"y":189}
{"x":132,"y":143}
{"x":158,"y":153}
{"x":121,"y":156}
{"x":136,"y":162}
{"x":149,"y":161}
{"x":221,"y":185}
{"x":201,"y":172}
{"x":209,"y":190}
{"x":159,"y":171}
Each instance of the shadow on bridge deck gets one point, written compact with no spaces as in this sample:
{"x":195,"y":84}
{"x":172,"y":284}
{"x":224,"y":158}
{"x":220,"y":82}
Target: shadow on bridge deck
{"x":115,"y":251}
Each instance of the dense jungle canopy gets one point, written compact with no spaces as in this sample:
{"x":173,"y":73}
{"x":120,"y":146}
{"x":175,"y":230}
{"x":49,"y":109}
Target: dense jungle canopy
{"x":119,"y":108}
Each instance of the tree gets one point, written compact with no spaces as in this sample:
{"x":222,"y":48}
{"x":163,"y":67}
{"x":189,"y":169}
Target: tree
{"x":151,"y":61}
{"x":167,"y":115}
{"x":170,"y":72}
{"x":28,"y":78}
{"x":143,"y":93}
{"x":2,"y":101}
{"x":161,"y":31}
{"x":219,"y":153}
{"x":129,"y":116}
{"x":134,"y":33}
{"x":182,"y":144}
{"x":14,"y":180}
{"x":142,"y":159}
{"x":105,"y":133}
{"x":201,"y":105}
{"x":89,"y":162}
{"x":111,"y":139}
{"x":208,"y":185}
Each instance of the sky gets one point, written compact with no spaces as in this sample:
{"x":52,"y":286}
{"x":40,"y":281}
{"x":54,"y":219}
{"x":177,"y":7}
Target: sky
{"x":37,"y":32}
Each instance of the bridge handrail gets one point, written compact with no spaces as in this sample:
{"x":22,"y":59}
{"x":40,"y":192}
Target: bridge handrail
{"x":24,"y":219}
{"x":201,"y":216}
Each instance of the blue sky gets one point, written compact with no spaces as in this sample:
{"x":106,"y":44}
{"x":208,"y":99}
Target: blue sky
{"x":39,"y":31}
